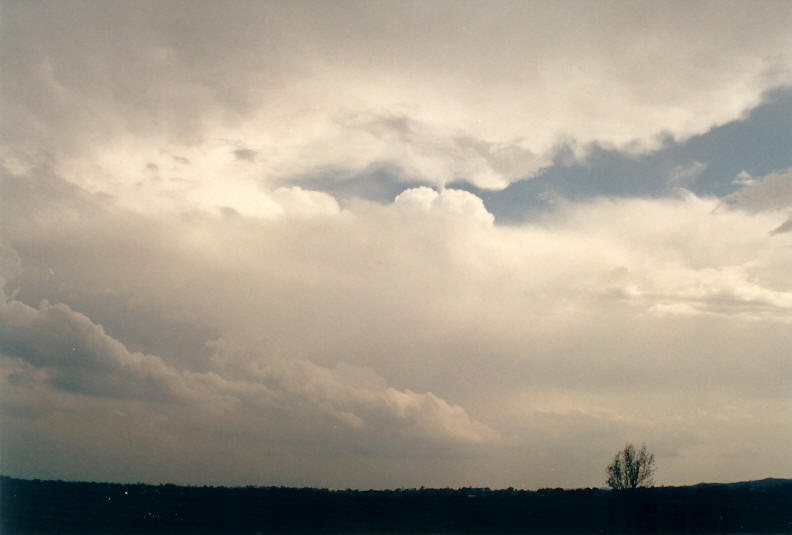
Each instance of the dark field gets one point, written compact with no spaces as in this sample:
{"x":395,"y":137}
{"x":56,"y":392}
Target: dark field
{"x":39,"y":507}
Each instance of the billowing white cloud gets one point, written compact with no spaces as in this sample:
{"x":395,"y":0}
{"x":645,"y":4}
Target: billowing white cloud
{"x":458,"y":204}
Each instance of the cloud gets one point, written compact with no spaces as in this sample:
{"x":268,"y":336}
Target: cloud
{"x":756,"y":144}
{"x":683,"y":174}
{"x":10,"y":263}
{"x":450,"y":202}
{"x":437,"y":155}
{"x":69,"y":352}
{"x":297,"y":201}
{"x":247,"y":155}
{"x":786,"y":226}
{"x":387,"y":334}
{"x":770,"y":192}
{"x":76,"y":355}
{"x":479,"y":93}
{"x":271,"y":236}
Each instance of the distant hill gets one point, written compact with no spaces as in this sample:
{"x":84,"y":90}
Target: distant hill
{"x":42,"y":507}
{"x":765,"y":483}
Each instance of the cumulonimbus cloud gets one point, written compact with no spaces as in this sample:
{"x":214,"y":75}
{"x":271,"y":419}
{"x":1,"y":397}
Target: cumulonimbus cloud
{"x":409,"y":326}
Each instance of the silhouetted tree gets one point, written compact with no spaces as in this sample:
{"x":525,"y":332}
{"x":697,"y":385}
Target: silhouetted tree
{"x":631,"y":469}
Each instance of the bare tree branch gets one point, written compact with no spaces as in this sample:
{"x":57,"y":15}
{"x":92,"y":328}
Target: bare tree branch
{"x":631,"y":469}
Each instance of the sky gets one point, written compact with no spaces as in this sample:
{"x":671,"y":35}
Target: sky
{"x":395,"y":244}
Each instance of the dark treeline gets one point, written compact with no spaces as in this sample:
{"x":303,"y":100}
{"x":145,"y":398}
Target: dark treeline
{"x":39,"y":507}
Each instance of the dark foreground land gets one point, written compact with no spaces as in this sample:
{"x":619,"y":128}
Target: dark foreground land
{"x":39,"y":507}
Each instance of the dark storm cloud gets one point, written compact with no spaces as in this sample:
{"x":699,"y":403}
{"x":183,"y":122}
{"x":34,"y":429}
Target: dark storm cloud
{"x":98,"y":233}
{"x":76,"y":355}
{"x":69,"y":352}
